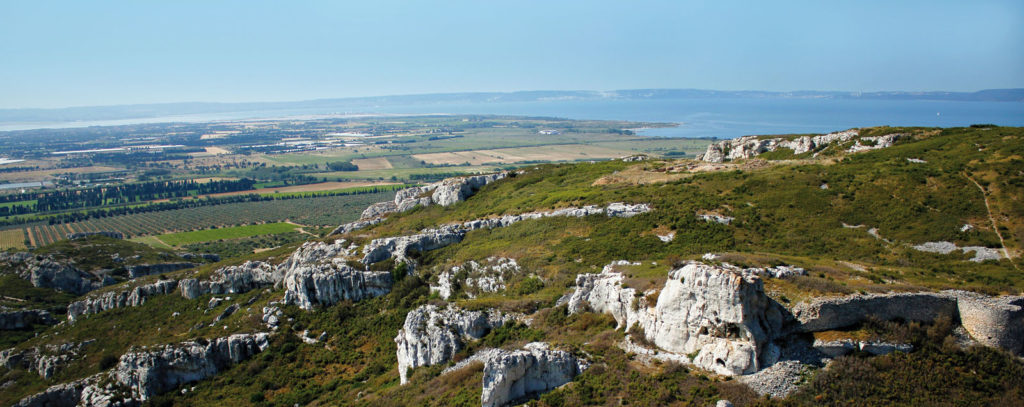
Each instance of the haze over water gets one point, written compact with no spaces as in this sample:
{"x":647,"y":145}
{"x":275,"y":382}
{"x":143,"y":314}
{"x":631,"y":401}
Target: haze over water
{"x":698,"y":117}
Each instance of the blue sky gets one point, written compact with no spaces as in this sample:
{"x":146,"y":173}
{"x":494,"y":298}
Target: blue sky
{"x":77,"y":53}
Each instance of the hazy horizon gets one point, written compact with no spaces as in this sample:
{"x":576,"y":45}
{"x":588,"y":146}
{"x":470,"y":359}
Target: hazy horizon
{"x":68,"y":54}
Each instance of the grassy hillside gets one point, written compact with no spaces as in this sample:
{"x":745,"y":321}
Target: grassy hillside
{"x":812,"y":212}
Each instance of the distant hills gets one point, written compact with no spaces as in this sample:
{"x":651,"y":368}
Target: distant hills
{"x":363,"y":104}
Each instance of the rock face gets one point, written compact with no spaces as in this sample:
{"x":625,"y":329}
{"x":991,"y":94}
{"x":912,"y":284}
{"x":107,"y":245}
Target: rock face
{"x":824,"y":314}
{"x":318,"y":274}
{"x":354,"y":226}
{"x":45,"y":361}
{"x":398,"y":247}
{"x":513,"y":376}
{"x":996,"y":322}
{"x":21,"y":319}
{"x":155,"y":371}
{"x":233,"y":280}
{"x":445,"y":193}
{"x":327,"y":284}
{"x":751,"y":146}
{"x":475,"y":278}
{"x":721,"y":314}
{"x":142,"y":270}
{"x":46,"y":272}
{"x":85,"y":392}
{"x":117,"y":299}
{"x":432,"y":335}
{"x":992,"y":321}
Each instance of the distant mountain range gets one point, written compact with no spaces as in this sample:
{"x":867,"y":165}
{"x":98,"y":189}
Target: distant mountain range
{"x":363,"y":104}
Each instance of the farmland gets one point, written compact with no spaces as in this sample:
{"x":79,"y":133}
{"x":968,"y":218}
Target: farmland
{"x":316,"y":211}
{"x":206,"y":235}
{"x":12,"y":239}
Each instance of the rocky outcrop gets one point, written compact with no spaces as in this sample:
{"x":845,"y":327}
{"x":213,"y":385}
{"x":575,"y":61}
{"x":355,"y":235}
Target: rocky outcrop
{"x":432,"y":239}
{"x":85,"y":392}
{"x":993,"y":321}
{"x":149,"y":372}
{"x":432,"y":335}
{"x":475,"y":278}
{"x":142,"y":270}
{"x":233,"y":280}
{"x":398,"y":247}
{"x":751,"y":146}
{"x":47,"y":272}
{"x":513,"y":376}
{"x":824,"y":314}
{"x":22,"y":319}
{"x":981,"y":253}
{"x":327,"y":284}
{"x":354,"y":226}
{"x":132,"y":297}
{"x":720,"y":315}
{"x":725,"y":220}
{"x":45,"y":360}
{"x":317,"y":253}
{"x":445,"y":193}
{"x":379,"y":209}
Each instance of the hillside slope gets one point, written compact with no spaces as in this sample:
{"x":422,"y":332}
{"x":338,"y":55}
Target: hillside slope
{"x":845,"y":269}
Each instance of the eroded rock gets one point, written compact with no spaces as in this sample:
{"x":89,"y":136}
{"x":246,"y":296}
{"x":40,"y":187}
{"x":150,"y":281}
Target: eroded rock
{"x":432,"y":335}
{"x":720,"y":314}
{"x":527,"y":373}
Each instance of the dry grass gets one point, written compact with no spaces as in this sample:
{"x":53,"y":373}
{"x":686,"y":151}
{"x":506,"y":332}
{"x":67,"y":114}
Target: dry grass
{"x":378,"y":163}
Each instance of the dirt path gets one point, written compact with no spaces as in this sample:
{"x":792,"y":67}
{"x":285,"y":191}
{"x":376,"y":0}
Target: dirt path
{"x":992,"y":219}
{"x":300,"y":228}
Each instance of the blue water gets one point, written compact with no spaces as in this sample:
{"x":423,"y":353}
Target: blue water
{"x":721,"y":118}
{"x":729,"y":118}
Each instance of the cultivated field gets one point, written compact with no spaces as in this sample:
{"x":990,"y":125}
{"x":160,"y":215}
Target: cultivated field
{"x":208,"y":235}
{"x":12,"y":239}
{"x":569,"y":152}
{"x":318,"y":211}
{"x":321,"y":186}
{"x":378,"y":163}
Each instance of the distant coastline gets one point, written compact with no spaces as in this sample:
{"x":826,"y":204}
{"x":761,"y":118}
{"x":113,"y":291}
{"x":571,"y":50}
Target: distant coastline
{"x":19,"y":119}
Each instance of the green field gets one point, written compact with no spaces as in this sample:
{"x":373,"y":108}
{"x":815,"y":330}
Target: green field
{"x":314,"y":211}
{"x":200,"y":236}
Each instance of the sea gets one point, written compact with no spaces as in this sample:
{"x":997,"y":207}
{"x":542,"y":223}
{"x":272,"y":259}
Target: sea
{"x":721,"y":118}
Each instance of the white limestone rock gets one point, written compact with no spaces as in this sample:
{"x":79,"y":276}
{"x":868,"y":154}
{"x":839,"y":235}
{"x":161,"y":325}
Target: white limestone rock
{"x":513,"y":376}
{"x":149,"y":372}
{"x":398,"y":247}
{"x":47,"y":272}
{"x":327,"y":284}
{"x":453,"y":190}
{"x":432,"y":335}
{"x":379,"y":209}
{"x":132,"y":297}
{"x":488,"y":276}
{"x":357,"y":225}
{"x":721,"y":314}
{"x":752,"y":146}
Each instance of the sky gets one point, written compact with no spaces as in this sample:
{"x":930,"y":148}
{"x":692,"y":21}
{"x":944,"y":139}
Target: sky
{"x":86,"y":53}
